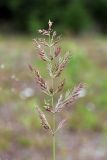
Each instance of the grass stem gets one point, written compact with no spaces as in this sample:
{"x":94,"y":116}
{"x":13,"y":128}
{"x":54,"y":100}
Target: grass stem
{"x":54,"y":139}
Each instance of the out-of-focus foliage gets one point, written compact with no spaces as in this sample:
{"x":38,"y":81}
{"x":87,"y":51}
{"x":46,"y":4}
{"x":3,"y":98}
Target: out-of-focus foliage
{"x":75,"y":15}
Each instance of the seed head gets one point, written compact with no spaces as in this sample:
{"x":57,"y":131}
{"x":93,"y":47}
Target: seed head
{"x":49,"y":52}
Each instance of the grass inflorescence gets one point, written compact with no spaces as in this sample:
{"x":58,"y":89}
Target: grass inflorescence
{"x":48,"y":50}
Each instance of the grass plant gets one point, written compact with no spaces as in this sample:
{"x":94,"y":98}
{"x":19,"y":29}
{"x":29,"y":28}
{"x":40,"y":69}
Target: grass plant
{"x":49,"y":51}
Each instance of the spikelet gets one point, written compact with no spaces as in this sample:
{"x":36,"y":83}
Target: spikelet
{"x":62,"y":65}
{"x":42,"y":55}
{"x":77,"y":90}
{"x":40,"y":81}
{"x":50,"y":24}
{"x":75,"y":94}
{"x":38,"y":43}
{"x":60,"y":125}
{"x":59,"y":103}
{"x":44,"y":32}
{"x":48,"y":106}
{"x":44,"y":121}
{"x":71,"y":99}
{"x":43,"y":42}
{"x":57,"y":51}
{"x":56,"y":41}
{"x":60,"y":87}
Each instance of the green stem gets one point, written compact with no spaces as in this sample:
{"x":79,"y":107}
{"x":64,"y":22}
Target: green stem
{"x":54,"y":139}
{"x":54,"y":148}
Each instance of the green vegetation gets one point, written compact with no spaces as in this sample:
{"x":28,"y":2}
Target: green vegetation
{"x":74,"y":15}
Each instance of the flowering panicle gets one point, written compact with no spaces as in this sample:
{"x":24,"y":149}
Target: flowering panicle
{"x":50,"y":52}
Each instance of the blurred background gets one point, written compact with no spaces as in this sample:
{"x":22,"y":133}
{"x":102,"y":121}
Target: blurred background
{"x":83,"y":25}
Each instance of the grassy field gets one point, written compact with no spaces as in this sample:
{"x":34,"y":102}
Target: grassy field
{"x":20,"y":131}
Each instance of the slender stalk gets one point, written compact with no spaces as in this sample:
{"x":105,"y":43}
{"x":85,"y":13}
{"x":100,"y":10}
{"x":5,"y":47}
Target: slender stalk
{"x":54,"y":139}
{"x":54,"y":148}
